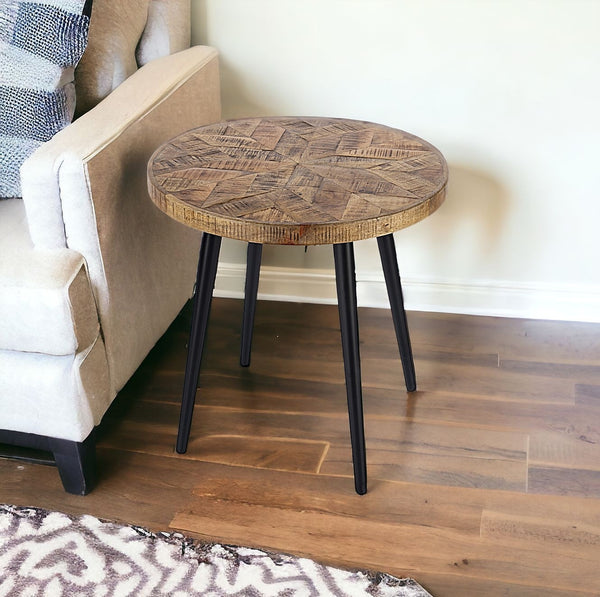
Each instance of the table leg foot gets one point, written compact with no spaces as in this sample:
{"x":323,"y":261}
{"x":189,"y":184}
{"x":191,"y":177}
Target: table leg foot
{"x":205,"y":282}
{"x":347,"y":305}
{"x":254,"y":254}
{"x":389,"y":261}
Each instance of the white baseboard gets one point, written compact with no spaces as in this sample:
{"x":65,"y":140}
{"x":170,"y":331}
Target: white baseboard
{"x":478,"y":297}
{"x":279,"y":284}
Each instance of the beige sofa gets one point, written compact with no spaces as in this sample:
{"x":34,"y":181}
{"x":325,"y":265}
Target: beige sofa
{"x":91,"y":273}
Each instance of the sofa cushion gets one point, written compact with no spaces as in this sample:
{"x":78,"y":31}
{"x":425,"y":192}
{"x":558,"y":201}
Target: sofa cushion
{"x":168,"y":30}
{"x":57,"y":396}
{"x":40,"y":44}
{"x":115,"y":31}
{"x":46,"y":301}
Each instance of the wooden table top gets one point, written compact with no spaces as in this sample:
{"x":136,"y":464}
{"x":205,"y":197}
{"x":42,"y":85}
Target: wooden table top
{"x":297,"y":181}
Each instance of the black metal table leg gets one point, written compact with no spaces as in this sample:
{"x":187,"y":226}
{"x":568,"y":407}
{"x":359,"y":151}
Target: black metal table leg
{"x":254,"y":254}
{"x":389,"y":261}
{"x":205,"y":283}
{"x":346,"y":290}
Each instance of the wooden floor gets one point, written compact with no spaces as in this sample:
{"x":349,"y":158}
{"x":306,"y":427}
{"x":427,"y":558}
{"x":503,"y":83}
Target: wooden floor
{"x":485,"y":482}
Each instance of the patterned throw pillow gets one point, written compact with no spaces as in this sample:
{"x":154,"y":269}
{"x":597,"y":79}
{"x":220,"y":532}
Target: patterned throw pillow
{"x":41,"y":41}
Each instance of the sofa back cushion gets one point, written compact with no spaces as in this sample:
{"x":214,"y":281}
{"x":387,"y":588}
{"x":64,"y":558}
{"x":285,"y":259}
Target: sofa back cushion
{"x":168,"y":30}
{"x":124,"y":36}
{"x":40,"y":44}
{"x":115,"y":30}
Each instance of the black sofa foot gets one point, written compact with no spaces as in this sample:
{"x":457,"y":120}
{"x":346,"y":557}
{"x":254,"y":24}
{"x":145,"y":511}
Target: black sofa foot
{"x":76,"y":461}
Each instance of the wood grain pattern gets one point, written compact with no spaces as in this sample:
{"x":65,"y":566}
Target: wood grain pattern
{"x":485,"y":483}
{"x":296,"y":181}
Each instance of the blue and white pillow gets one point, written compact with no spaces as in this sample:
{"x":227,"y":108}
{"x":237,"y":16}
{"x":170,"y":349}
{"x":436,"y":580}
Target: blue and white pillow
{"x":41,"y":41}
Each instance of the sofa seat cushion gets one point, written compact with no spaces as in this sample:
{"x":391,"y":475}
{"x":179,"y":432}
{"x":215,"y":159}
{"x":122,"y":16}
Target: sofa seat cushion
{"x":57,"y":396}
{"x":46,"y":301}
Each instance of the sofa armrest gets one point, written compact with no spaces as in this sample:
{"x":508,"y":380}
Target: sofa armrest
{"x":157,"y":84}
{"x":86,"y":189}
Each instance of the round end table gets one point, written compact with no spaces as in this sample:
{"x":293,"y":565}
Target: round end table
{"x":298,"y":181}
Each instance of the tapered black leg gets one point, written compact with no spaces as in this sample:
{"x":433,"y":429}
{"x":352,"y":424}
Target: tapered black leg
{"x":346,"y":291}
{"x":205,"y":283}
{"x":387,"y":250}
{"x":254,"y":255}
{"x":76,"y":462}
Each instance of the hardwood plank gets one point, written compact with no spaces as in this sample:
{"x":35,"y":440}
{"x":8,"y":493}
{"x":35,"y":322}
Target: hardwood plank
{"x":514,"y":339}
{"x":582,"y":540}
{"x":446,"y":585}
{"x":566,"y":450}
{"x":439,"y":469}
{"x":555,"y":342}
{"x":573,"y":372}
{"x":587,"y":394}
{"x":493,"y":382}
{"x":564,"y":481}
{"x":438,"y":454}
{"x":261,"y":452}
{"x":496,"y":413}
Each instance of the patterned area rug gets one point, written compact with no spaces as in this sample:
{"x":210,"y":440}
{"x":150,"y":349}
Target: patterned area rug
{"x":49,"y":553}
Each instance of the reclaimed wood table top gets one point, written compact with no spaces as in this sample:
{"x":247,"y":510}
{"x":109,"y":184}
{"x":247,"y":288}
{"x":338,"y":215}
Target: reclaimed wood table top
{"x":297,"y":181}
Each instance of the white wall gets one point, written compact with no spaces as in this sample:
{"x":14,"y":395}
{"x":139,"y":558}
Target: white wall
{"x":508,"y":90}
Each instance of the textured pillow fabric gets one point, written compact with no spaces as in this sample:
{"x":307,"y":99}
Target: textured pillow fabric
{"x":41,"y":41}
